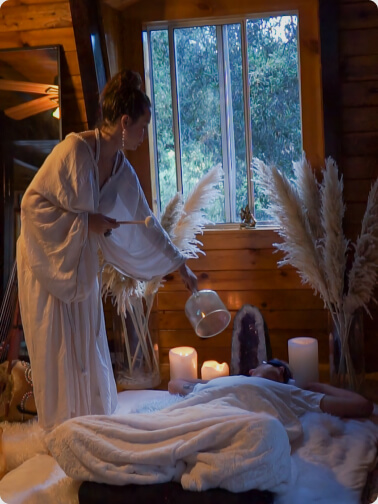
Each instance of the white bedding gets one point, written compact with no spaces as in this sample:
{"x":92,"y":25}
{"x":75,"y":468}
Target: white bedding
{"x":328,"y":464}
{"x":217,"y":437}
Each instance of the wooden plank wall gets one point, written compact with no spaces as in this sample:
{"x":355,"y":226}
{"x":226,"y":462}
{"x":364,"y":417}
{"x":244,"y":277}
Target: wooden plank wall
{"x":31,"y":23}
{"x":242,"y":267}
{"x":240,"y":264}
{"x":358,"y":55}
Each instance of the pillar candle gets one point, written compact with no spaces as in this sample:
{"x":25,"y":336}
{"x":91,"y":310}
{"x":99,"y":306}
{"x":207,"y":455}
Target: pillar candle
{"x":213,"y":369}
{"x":303,"y":360}
{"x":183,"y":363}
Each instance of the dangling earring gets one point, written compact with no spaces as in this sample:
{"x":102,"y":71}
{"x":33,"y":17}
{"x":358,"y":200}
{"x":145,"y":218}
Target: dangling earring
{"x":123,"y":139}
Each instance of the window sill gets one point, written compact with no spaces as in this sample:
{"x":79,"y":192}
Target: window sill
{"x":232,"y":236}
{"x":237,"y":227}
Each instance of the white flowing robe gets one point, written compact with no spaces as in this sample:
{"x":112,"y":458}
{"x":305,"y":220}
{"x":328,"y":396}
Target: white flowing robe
{"x":57,"y":263}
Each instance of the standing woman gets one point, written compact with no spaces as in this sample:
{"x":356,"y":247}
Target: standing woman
{"x":69,"y":212}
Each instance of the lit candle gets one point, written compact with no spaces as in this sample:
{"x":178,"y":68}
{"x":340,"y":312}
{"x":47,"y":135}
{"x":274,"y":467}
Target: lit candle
{"x":183,"y":363}
{"x":303,"y":360}
{"x":212,"y":369}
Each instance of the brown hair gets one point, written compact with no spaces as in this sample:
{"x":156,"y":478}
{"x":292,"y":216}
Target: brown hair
{"x":287,"y":374}
{"x":123,"y":95}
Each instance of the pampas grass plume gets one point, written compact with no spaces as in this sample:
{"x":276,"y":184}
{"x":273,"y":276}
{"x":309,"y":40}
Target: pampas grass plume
{"x":308,"y":191}
{"x":172,"y":214}
{"x":298,"y":245}
{"x":182,"y":221}
{"x":334,"y":245}
{"x":363,"y":275}
{"x":310,"y":218}
{"x":193,"y":218}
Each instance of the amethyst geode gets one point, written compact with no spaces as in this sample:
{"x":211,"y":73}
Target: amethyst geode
{"x":250,"y":340}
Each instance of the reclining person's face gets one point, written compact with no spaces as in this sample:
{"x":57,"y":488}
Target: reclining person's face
{"x":269,"y":372}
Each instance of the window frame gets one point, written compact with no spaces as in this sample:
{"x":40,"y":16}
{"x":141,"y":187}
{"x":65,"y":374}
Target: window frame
{"x":310,"y":83}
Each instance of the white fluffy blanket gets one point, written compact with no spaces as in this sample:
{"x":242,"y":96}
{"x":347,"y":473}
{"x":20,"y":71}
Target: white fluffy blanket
{"x":218,"y":437}
{"x":236,"y":434}
{"x":329,"y":461}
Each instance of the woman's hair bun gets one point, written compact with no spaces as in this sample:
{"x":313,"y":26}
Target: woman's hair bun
{"x":123,"y":95}
{"x":130,"y":80}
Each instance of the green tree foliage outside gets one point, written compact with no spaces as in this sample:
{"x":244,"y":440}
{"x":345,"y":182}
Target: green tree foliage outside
{"x":163,"y":114}
{"x":274,"y":104}
{"x":199,"y":107}
{"x":274,"y":95}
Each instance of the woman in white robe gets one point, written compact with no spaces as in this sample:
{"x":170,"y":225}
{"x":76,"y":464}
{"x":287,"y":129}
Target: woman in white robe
{"x":68,"y":212}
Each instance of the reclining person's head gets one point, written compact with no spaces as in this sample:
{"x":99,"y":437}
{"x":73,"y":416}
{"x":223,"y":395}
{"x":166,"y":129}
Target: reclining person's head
{"x":274,"y":369}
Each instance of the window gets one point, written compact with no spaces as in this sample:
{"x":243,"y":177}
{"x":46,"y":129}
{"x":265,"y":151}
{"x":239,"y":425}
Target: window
{"x":223,"y":93}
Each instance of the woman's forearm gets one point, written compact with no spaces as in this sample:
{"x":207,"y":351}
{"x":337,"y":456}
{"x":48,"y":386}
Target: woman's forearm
{"x":342,"y":402}
{"x":330,"y":390}
{"x":356,"y":407}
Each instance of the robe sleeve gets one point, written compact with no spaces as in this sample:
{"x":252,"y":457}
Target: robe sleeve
{"x":138,"y":251}
{"x":54,"y":222}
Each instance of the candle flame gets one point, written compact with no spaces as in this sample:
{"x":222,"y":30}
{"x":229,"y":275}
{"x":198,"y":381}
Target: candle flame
{"x":183,"y":351}
{"x":2,"y":1}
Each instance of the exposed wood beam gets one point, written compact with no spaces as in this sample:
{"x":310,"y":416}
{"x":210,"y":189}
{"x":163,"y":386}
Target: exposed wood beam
{"x":119,"y":4}
{"x":93,"y":68}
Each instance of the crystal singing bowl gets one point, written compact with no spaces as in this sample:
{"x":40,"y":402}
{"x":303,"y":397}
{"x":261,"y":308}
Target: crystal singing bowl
{"x":207,"y":314}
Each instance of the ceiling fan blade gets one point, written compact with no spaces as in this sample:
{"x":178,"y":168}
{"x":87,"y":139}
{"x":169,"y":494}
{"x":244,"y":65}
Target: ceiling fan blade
{"x":32,"y":107}
{"x":27,"y":87}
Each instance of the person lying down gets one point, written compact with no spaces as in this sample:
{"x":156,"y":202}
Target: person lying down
{"x":339,"y":402}
{"x":233,"y":432}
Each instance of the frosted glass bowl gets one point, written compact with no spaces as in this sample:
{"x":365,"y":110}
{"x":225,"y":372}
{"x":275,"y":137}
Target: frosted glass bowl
{"x":207,"y":313}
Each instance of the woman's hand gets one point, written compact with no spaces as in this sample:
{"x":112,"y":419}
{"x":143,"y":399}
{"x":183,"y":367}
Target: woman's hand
{"x":100,"y":224}
{"x":189,"y":278}
{"x":183,"y":387}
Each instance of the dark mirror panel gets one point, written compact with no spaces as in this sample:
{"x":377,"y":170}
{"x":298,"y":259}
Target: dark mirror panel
{"x":30,"y":127}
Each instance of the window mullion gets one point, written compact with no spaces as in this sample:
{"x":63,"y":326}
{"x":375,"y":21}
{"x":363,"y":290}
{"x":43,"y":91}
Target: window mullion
{"x":175,"y":108}
{"x":247,"y":115}
{"x":230,"y":126}
{"x":224,"y":129}
{"x":152,"y":137}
